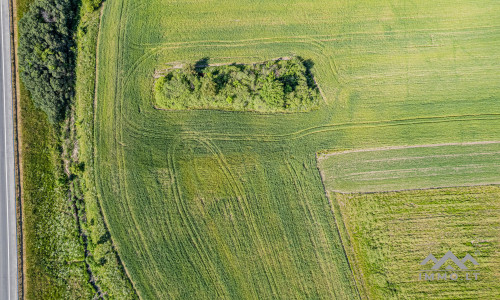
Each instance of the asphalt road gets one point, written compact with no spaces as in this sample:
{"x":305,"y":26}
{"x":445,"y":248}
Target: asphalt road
{"x":8,"y":236}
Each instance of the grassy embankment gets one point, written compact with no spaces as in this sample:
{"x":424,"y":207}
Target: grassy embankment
{"x":54,"y":255}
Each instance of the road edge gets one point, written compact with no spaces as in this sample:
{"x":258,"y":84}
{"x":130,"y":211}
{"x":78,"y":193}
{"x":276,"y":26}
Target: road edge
{"x":16,"y":115}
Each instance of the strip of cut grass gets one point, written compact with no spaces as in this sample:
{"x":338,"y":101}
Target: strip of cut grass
{"x":412,"y":167}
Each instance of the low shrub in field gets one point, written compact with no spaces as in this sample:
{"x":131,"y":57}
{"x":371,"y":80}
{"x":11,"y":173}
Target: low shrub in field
{"x":273,"y":86}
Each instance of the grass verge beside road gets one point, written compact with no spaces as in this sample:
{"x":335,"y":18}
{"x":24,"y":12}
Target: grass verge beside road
{"x":53,"y":257}
{"x":67,"y":252}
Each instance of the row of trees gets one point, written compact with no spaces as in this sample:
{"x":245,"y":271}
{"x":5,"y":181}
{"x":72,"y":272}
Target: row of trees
{"x":47,"y":53}
{"x":281,"y":85}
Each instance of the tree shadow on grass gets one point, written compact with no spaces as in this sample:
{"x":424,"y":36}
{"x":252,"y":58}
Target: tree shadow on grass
{"x":309,"y":64}
{"x":202,"y":64}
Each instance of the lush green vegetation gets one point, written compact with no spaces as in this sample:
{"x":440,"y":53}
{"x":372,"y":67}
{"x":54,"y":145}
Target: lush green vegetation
{"x":273,"y":86}
{"x":102,"y":259}
{"x":53,"y":256}
{"x":387,"y":235}
{"x":90,"y":6}
{"x":68,"y":250}
{"x":46,"y":54}
{"x":221,"y":204}
{"x":414,"y":167}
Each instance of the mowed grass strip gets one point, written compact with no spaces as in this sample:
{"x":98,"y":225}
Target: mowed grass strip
{"x":387,"y":235}
{"x":412,"y":167}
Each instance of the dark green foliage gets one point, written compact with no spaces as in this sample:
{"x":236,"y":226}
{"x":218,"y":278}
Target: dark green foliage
{"x":274,"y":86}
{"x":46,"y":55}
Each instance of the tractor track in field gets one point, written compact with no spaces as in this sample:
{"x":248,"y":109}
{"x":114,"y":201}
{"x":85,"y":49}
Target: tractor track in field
{"x":304,"y":203}
{"x":243,"y":202}
{"x":194,"y":235}
{"x":323,"y":37}
{"x":148,"y":53}
{"x":239,"y":193}
{"x":138,"y":131}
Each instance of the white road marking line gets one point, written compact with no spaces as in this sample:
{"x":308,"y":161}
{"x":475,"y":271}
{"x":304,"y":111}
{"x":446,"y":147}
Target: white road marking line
{"x":5,"y":154}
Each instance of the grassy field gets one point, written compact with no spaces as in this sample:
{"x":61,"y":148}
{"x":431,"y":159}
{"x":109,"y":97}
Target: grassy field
{"x":387,"y":235}
{"x":413,"y":167}
{"x":213,"y":204}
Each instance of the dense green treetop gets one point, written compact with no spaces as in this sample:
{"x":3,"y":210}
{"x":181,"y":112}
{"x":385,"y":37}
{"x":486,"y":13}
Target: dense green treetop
{"x":46,"y":54}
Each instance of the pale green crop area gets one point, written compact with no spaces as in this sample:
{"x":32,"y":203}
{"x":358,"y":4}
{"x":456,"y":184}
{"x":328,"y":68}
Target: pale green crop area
{"x":404,"y":168}
{"x":388,"y":235}
{"x":213,"y":204}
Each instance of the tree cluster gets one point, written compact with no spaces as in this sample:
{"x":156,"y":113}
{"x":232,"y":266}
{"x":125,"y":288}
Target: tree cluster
{"x":273,"y":86}
{"x":46,"y":55}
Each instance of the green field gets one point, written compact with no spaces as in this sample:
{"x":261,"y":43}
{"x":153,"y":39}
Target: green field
{"x":214,"y":204}
{"x":412,"y":167}
{"x":388,"y":234}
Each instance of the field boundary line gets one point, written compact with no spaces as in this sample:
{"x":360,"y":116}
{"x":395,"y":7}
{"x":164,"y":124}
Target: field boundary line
{"x":18,"y":171}
{"x":356,"y":271}
{"x":333,"y":153}
{"x":419,"y":189}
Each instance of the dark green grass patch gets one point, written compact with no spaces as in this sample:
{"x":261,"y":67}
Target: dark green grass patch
{"x":54,"y":254}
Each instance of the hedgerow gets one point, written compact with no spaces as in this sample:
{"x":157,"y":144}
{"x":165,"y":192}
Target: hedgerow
{"x":273,"y":86}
